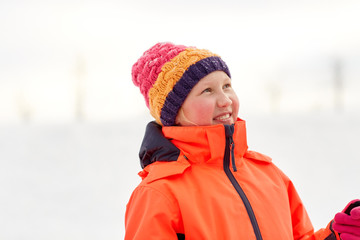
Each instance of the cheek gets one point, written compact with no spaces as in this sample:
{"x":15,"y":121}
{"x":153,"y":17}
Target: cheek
{"x":235,"y":104}
{"x":200,"y":109}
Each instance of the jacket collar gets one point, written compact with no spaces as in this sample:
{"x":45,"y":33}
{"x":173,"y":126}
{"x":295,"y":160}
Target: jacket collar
{"x":197,"y":143}
{"x":206,"y":143}
{"x":155,"y":147}
{"x":179,"y":146}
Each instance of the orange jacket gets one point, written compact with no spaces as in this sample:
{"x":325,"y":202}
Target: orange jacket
{"x":205,"y":184}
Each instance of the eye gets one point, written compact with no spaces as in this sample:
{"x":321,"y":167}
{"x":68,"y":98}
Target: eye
{"x":228,"y":85}
{"x":207,"y":90}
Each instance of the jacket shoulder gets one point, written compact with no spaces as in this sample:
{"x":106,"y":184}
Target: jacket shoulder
{"x":160,"y":170}
{"x":257,"y":156}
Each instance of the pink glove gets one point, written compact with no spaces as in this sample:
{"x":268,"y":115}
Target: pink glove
{"x":347,"y":222}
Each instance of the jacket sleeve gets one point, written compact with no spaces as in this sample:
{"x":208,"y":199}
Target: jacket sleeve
{"x":150,"y":215}
{"x":302,"y":226}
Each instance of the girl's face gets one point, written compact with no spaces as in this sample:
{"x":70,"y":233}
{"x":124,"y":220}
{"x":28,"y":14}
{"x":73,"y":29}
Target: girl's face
{"x":211,"y":101}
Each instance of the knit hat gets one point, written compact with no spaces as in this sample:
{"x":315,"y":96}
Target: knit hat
{"x":166,"y":73}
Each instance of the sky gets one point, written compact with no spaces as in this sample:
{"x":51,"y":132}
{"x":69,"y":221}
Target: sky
{"x":281,"y":54}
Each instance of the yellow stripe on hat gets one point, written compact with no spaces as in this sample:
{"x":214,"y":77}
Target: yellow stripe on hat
{"x":171,"y":73}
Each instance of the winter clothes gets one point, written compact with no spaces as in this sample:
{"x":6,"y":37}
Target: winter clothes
{"x":347,"y":222}
{"x":202,"y":182}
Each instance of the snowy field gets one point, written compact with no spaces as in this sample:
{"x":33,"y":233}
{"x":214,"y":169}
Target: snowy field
{"x":73,"y":181}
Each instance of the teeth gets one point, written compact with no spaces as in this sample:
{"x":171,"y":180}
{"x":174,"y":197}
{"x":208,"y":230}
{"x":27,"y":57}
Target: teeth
{"x":224,"y":116}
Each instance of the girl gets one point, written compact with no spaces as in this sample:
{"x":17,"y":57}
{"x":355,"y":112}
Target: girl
{"x":199,"y":180}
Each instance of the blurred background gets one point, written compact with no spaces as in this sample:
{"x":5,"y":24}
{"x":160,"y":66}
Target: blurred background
{"x":71,"y":121}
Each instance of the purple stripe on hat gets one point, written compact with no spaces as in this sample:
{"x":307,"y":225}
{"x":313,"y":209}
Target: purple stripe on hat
{"x":182,"y":88}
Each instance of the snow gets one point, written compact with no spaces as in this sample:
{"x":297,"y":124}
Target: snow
{"x":72,"y":181}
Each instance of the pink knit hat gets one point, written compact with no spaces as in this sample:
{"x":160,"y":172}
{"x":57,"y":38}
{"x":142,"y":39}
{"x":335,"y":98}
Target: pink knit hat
{"x":166,"y":73}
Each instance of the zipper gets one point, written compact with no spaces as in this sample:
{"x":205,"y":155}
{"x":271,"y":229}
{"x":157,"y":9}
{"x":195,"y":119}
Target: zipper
{"x":229,"y":150}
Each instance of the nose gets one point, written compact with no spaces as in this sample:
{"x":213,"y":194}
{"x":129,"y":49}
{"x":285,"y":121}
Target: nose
{"x":223,"y":100}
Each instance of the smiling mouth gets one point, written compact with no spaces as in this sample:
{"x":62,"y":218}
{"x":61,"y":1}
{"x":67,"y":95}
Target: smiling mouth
{"x":223,"y":117}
